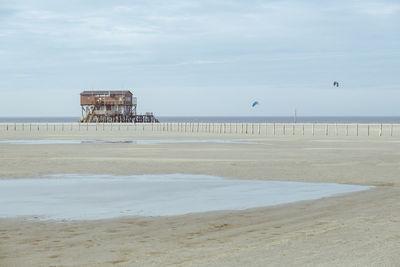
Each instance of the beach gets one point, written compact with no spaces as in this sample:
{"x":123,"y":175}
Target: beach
{"x":356,"y":229}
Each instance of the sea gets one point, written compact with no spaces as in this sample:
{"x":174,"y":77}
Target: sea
{"x":227,"y":119}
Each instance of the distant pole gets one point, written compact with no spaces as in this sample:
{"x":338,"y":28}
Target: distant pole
{"x":295,"y":116}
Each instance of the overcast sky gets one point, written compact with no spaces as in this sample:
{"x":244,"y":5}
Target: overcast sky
{"x":183,"y":57}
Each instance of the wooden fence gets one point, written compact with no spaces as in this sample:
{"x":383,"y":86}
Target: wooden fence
{"x":255,"y":129}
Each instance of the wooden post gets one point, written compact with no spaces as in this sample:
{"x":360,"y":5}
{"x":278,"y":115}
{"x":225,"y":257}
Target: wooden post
{"x":313,"y":129}
{"x":284,"y":129}
{"x":336,"y":130}
{"x":347,"y":130}
{"x":357,"y":130}
{"x":54,"y":127}
{"x":7,"y":126}
{"x":274,"y":129}
{"x":30,"y":126}
{"x":293,"y":129}
{"x":380,"y":131}
{"x":326,"y":130}
{"x":303,"y":129}
{"x":259,"y":129}
{"x":368,"y":129}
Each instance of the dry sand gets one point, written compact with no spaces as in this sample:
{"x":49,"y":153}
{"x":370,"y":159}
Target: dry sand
{"x":359,"y":229}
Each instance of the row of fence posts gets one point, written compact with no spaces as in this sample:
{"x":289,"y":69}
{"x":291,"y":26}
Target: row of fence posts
{"x":199,"y":127}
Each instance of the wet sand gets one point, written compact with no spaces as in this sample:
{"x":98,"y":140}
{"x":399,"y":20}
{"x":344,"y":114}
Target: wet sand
{"x":357,"y":229}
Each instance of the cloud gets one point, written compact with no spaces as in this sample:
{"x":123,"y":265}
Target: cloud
{"x":301,"y":45}
{"x":380,"y":8}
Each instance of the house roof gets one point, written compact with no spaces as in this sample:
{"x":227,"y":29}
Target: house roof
{"x":106,"y":92}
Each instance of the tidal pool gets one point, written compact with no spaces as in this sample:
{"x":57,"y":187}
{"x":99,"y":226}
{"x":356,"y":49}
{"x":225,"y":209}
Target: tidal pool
{"x":136,"y":142}
{"x":84,"y":197}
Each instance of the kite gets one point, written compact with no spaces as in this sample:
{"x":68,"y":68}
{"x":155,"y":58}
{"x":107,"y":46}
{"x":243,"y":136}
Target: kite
{"x":255,"y":104}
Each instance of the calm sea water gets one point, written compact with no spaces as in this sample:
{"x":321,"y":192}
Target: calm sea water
{"x":332,"y":119}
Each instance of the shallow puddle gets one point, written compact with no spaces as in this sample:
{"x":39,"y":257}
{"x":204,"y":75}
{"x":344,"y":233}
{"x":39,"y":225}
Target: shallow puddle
{"x":136,"y":142}
{"x":82,"y":197}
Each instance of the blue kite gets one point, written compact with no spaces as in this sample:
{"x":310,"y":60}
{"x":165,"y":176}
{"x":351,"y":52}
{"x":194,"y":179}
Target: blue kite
{"x":255,"y":104}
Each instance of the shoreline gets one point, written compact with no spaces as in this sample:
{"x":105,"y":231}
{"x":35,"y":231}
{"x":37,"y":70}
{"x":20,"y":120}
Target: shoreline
{"x":328,"y":231}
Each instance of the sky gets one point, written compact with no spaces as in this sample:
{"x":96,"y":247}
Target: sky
{"x":202,"y":58}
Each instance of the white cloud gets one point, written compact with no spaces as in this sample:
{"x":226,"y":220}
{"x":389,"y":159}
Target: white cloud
{"x":380,"y":8}
{"x":209,"y":44}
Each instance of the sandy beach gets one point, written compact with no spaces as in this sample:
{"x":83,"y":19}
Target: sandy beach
{"x":357,"y":229}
